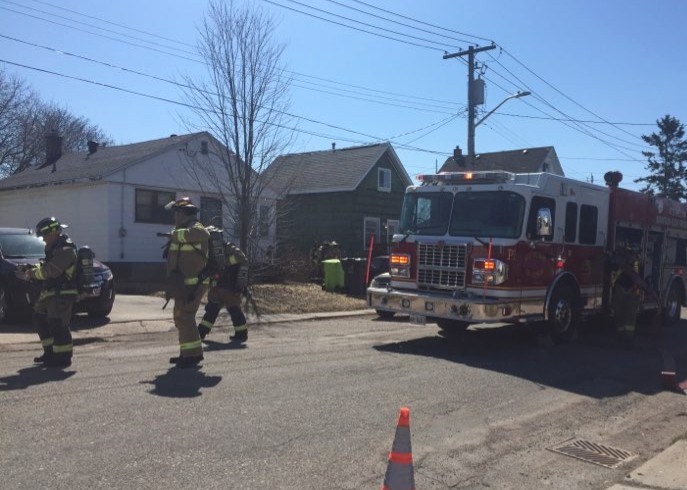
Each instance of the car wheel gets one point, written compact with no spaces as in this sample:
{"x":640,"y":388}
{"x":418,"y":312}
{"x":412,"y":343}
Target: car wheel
{"x":385,"y":314}
{"x":103,"y":306}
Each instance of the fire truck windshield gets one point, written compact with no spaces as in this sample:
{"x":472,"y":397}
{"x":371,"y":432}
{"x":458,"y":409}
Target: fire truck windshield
{"x":494,"y":214}
{"x":426,"y":213}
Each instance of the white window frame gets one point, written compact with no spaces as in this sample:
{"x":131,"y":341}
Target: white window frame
{"x":384,"y":179}
{"x":366,"y":237}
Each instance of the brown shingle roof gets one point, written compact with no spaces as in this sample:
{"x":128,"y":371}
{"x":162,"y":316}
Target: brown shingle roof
{"x":328,"y":171}
{"x":76,"y":167}
{"x":528,"y":160}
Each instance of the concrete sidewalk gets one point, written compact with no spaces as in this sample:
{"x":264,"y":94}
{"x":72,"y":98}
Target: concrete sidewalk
{"x":665,"y":471}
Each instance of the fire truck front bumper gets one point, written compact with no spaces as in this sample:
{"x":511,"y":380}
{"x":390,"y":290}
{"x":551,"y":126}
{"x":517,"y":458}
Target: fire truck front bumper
{"x":463,"y":307}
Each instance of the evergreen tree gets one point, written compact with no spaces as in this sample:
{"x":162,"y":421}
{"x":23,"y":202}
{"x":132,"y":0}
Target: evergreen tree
{"x":667,"y":167}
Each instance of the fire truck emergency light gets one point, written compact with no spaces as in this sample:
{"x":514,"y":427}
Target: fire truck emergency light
{"x":491,"y":177}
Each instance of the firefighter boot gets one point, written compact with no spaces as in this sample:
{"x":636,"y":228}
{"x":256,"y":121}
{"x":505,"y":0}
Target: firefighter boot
{"x":45,"y":357}
{"x":189,"y":361}
{"x":59,"y":361}
{"x":240,"y":336}
{"x":203,"y":331}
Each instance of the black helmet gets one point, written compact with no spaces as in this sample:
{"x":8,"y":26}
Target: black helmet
{"x":185,"y":204}
{"x":46,"y":225}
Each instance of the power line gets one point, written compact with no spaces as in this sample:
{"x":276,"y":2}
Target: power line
{"x":385,"y":100}
{"x":163,"y":99}
{"x":352,"y":27}
{"x":424,"y":23}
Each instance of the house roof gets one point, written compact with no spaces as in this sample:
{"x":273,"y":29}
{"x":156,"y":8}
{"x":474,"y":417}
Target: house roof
{"x":527,"y":160}
{"x":81,"y":167}
{"x":329,"y":171}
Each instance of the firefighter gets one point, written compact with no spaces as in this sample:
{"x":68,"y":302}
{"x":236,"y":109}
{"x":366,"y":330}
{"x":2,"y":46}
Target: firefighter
{"x":53,"y":309}
{"x":226,"y":291}
{"x":187,"y":255}
{"x":626,"y":284}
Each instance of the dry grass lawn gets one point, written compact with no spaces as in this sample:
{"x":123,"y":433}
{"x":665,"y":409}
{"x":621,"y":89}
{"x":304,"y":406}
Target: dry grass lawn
{"x":296,"y":297}
{"x":302,"y":298}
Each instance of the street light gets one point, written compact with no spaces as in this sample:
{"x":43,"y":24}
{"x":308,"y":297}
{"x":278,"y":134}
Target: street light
{"x":471,"y":127}
{"x":514,"y":96}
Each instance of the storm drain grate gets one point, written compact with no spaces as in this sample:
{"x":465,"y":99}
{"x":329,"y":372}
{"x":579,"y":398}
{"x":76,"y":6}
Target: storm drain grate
{"x":591,"y":452}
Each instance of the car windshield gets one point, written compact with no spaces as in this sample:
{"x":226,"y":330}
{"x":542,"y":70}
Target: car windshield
{"x":426,"y":214}
{"x":493,"y":214}
{"x":21,"y":246}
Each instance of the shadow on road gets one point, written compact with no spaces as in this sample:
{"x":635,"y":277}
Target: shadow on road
{"x":211,"y":345}
{"x":34,"y":375}
{"x":594,"y":365}
{"x":182,"y":383}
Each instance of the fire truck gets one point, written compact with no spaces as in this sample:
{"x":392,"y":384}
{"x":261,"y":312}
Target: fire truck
{"x":499,"y":247}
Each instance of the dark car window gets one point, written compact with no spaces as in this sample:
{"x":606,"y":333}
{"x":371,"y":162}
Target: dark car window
{"x":21,"y":246}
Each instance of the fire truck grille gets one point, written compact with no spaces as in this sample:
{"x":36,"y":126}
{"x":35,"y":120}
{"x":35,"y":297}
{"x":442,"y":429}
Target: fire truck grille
{"x":441,"y":267}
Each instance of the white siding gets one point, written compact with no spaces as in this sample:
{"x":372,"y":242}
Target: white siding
{"x":83,"y":207}
{"x":102,"y":214}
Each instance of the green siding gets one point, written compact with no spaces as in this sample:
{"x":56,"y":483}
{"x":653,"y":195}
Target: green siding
{"x":339,"y":216}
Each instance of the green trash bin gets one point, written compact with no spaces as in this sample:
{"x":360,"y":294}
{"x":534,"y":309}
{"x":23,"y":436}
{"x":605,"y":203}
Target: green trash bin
{"x":333,"y":275}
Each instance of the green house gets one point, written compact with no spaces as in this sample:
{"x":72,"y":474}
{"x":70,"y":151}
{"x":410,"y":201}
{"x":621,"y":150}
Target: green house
{"x":347,"y":195}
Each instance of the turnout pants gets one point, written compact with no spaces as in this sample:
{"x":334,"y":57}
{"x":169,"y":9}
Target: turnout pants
{"x":52,"y":316}
{"x":625,"y":304}
{"x":185,"y":321}
{"x":219,"y":297}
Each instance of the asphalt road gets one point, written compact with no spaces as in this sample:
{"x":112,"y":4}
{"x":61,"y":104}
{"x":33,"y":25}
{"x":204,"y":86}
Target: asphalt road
{"x":314,"y":404}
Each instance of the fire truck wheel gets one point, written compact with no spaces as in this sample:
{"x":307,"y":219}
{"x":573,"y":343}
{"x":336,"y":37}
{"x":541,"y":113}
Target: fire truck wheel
{"x":563,"y":314}
{"x":673,"y":306}
{"x":452,"y":327}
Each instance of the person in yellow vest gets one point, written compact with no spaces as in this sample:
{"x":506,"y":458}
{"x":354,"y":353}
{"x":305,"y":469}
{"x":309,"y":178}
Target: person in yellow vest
{"x":226,"y":291}
{"x":53,"y":309}
{"x":187,"y":256}
{"x":626,"y":284}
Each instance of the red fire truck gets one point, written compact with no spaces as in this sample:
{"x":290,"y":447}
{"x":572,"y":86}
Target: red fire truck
{"x":498,"y":247}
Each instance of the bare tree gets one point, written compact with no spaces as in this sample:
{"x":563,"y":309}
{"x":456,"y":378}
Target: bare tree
{"x":25,"y":121}
{"x":242,"y":103}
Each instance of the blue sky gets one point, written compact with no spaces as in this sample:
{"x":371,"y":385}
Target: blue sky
{"x":609,"y":68}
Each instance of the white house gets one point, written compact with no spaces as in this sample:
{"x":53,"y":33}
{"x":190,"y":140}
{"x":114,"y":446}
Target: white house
{"x":112,"y":198}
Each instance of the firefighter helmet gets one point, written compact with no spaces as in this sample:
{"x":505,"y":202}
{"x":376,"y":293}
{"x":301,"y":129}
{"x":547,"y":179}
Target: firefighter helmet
{"x":184,"y":204}
{"x":46,"y":225}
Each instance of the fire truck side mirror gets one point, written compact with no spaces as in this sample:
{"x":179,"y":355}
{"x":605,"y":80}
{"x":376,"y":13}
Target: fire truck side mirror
{"x":544,"y":222}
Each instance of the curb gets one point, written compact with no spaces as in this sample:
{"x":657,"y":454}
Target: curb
{"x":159,"y":325}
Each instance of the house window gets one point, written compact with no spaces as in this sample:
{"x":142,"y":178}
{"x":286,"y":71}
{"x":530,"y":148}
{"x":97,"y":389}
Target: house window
{"x":391,"y":229}
{"x":150,"y":206}
{"x":211,"y":211}
{"x":264,"y":221}
{"x":384,"y":180}
{"x":370,"y":228}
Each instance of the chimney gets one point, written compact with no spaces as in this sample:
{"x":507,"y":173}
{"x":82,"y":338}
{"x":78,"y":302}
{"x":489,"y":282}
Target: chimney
{"x":53,"y":148}
{"x":458,"y":156}
{"x":333,"y":146}
{"x":92,"y":147}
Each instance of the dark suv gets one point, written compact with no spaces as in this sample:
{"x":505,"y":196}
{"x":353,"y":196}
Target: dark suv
{"x":20,"y":246}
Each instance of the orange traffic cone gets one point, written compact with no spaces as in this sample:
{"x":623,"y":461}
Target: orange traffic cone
{"x":399,"y":471}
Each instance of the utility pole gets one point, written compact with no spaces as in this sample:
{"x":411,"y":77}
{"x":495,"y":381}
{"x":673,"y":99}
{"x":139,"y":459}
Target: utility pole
{"x":471,"y":96}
